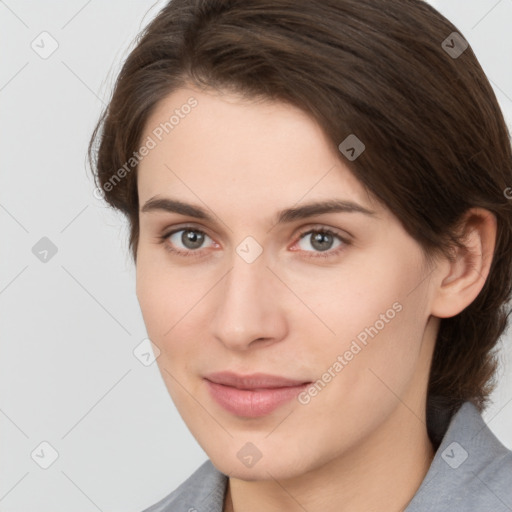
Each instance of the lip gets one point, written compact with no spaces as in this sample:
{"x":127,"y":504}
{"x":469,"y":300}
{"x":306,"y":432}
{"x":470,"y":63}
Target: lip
{"x":252,"y":396}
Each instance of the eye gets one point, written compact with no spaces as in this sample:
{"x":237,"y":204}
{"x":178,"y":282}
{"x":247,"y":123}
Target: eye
{"x":185,"y":241}
{"x":189,"y":241}
{"x":324,"y":242}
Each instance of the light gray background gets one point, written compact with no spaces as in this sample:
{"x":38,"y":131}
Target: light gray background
{"x":69,"y":326}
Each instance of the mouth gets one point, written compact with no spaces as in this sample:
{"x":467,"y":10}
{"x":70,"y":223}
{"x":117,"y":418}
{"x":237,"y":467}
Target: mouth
{"x":252,"y":396}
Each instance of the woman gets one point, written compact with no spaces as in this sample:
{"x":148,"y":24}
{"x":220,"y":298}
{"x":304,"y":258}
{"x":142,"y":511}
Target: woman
{"x":319,"y":218}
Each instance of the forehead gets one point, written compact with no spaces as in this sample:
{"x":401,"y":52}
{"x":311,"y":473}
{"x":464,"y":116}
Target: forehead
{"x":226,"y":147}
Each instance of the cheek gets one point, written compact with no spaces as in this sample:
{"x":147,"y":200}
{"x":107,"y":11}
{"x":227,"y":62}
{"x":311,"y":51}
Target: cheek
{"x":165,"y":294}
{"x":376,"y":313}
{"x":173,"y":304}
{"x":156,"y":299}
{"x":363,"y":294}
{"x":164,"y":299}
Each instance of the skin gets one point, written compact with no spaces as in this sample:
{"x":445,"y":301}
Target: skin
{"x":361,"y":443}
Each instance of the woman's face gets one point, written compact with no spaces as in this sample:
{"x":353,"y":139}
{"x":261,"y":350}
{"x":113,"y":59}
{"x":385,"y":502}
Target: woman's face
{"x":247,"y":277}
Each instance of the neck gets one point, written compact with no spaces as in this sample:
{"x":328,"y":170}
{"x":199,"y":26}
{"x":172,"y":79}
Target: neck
{"x":383,"y":474}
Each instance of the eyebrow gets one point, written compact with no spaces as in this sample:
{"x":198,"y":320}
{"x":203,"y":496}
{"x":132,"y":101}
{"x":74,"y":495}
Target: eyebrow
{"x":284,"y":216}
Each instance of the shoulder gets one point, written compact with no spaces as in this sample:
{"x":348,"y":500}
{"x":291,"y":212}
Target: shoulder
{"x":471,"y":470}
{"x":203,"y":490}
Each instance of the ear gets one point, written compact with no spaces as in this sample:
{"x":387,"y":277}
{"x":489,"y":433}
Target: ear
{"x":461,"y":278}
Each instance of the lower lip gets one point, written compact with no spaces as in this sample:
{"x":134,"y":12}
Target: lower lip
{"x":252,"y":403}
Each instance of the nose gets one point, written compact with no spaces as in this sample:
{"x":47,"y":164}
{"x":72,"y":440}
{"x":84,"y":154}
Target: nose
{"x":250,"y":308}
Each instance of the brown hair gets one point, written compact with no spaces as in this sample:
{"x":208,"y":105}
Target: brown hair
{"x":436,"y":141}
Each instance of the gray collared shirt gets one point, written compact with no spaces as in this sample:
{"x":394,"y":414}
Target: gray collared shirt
{"x":471,"y":472}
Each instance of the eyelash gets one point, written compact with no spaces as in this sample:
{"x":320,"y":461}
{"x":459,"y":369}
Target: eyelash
{"x":310,"y":254}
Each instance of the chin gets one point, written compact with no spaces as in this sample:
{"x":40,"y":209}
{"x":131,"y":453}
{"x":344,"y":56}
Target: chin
{"x":273,"y":466}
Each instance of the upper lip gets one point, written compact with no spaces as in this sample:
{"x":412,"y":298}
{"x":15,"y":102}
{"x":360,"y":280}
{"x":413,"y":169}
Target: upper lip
{"x":252,"y":381}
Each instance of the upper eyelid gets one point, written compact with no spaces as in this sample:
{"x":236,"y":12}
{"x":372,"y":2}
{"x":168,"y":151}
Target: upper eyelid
{"x":328,"y":229}
{"x":174,"y":230}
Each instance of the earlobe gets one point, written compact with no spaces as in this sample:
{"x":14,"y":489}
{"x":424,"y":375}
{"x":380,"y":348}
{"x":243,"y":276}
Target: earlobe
{"x":462,"y":277}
